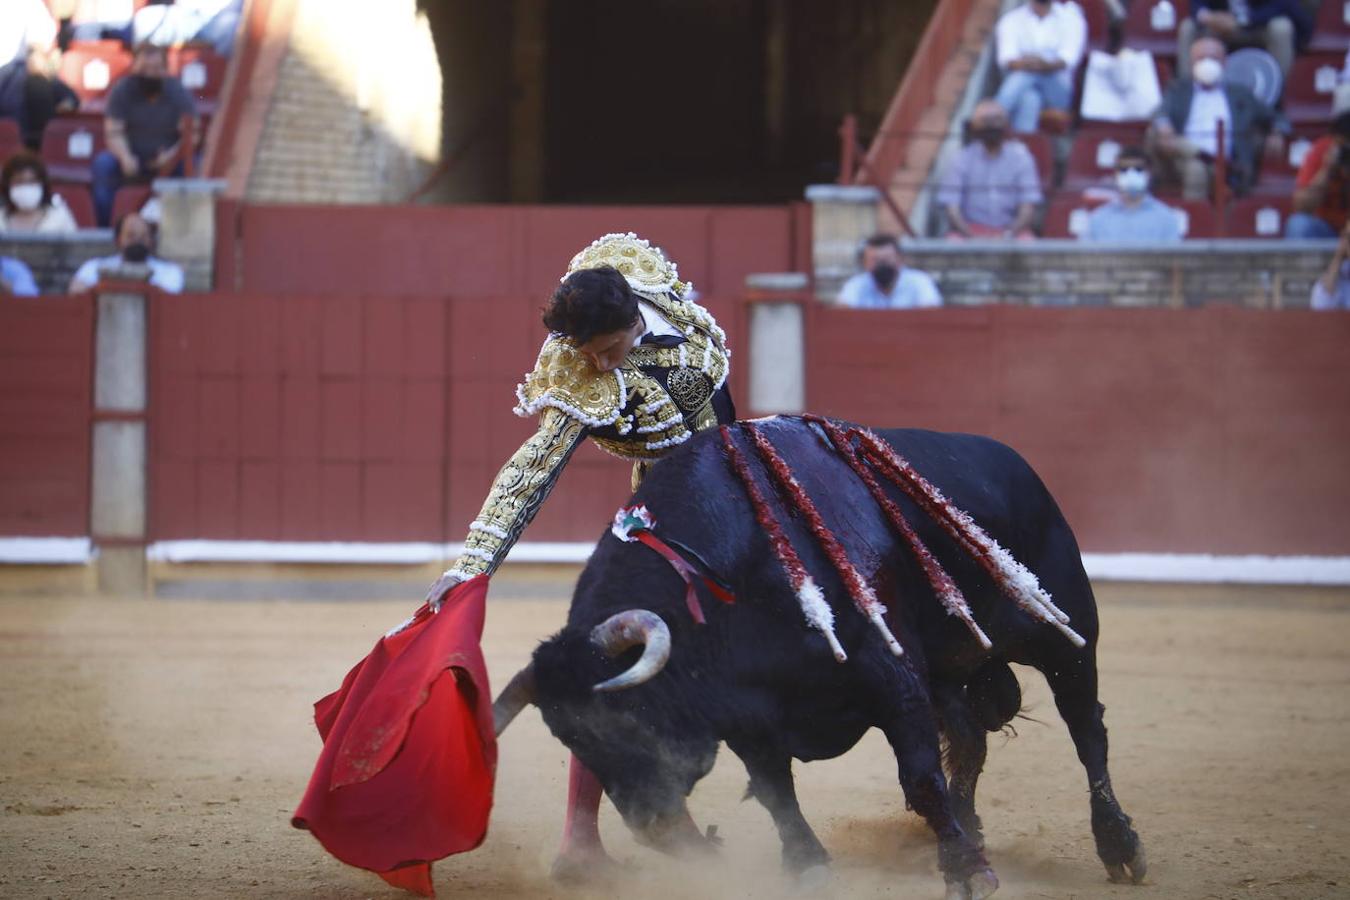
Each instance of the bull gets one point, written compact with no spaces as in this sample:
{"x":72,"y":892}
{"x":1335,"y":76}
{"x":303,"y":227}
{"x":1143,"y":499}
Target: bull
{"x":644,"y":695}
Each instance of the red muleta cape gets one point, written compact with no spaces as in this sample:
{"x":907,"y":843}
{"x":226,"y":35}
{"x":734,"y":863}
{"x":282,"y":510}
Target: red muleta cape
{"x":409,"y":755}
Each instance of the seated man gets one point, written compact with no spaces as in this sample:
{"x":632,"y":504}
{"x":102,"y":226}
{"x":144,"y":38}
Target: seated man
{"x":1279,"y":26}
{"x":1039,"y":45}
{"x":135,"y":242}
{"x":16,"y":279}
{"x":31,"y":93}
{"x":1322,"y":188}
{"x":150,"y":128}
{"x":991,"y":188}
{"x":886,"y":282}
{"x":1332,"y":290}
{"x":1136,"y":215}
{"x":1184,"y":134}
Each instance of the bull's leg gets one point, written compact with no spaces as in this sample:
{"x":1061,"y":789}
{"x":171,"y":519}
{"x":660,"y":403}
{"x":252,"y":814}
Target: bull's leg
{"x":910,"y":724}
{"x":581,"y":855}
{"x":1073,"y":680}
{"x":967,"y":746}
{"x":772,"y":785}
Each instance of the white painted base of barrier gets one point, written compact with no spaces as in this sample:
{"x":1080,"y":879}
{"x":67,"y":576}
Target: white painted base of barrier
{"x":1196,"y":568}
{"x":46,"y":551}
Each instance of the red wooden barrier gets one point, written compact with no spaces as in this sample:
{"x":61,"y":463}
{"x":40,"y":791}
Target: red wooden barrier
{"x":1212,"y":431}
{"x":46,"y":354}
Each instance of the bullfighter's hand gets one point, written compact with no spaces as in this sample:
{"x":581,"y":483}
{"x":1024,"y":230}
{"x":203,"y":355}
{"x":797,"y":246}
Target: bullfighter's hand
{"x":438,"y":590}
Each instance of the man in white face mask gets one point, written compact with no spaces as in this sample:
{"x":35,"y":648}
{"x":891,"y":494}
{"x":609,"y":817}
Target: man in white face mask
{"x":1136,"y":215}
{"x":1195,"y":112}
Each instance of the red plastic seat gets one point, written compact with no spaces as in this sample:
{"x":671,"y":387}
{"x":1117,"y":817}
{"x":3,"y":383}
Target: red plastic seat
{"x":1098,"y":22}
{"x":1278,"y":174}
{"x":1066,"y":216}
{"x":11,"y":141}
{"x":1331,"y":31}
{"x":1257,"y":217}
{"x":202,"y":72}
{"x":69,"y":145}
{"x":1198,"y":218}
{"x":78,"y":201}
{"x":1092,"y":158}
{"x":1043,"y":151}
{"x":129,"y":198}
{"x":91,"y":68}
{"x":1312,"y":80}
{"x":1147,"y":26}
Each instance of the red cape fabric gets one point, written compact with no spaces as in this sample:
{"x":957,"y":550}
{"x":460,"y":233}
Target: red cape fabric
{"x":409,"y":755}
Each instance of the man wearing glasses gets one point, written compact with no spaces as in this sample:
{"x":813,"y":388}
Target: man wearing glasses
{"x":1135,"y":215}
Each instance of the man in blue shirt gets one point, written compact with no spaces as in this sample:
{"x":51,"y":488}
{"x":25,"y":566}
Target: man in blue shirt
{"x":1136,"y":215}
{"x":16,"y":279}
{"x":885,"y":282}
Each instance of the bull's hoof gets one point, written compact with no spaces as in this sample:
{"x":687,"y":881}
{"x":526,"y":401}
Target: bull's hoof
{"x":814,"y":879}
{"x":978,"y":886}
{"x":580,"y":867}
{"x":1132,"y":872}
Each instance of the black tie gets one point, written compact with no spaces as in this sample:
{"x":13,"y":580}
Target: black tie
{"x":662,"y":340}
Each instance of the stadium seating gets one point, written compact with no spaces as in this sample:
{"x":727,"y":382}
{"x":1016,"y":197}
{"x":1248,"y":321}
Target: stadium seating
{"x":11,"y":141}
{"x":1148,"y":26}
{"x":129,"y":198}
{"x":1092,"y":157}
{"x":68,"y":147}
{"x":1278,"y":173}
{"x":1257,"y":217}
{"x":78,"y":201}
{"x":91,"y":68}
{"x":1332,"y":30}
{"x":202,"y":72}
{"x":1312,"y":80}
{"x":1066,"y":216}
{"x":1043,"y":151}
{"x":1098,"y":23}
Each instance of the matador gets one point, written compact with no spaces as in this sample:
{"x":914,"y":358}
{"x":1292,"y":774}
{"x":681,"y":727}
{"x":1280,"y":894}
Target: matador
{"x":636,"y":365}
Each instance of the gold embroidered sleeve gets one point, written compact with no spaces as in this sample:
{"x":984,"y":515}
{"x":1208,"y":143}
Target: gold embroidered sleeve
{"x":518,"y":491}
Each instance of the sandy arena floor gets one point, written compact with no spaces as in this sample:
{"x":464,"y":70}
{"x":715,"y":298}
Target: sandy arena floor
{"x":155,"y":749}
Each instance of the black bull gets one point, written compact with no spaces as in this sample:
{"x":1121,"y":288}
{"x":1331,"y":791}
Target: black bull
{"x":756,"y":677}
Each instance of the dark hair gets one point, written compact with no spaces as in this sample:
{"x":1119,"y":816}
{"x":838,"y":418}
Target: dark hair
{"x":1134,"y":151}
{"x":591,"y":302}
{"x":146,"y":47}
{"x":20,"y":162}
{"x":882,"y":240}
{"x":1341,"y":124}
{"x":122,"y":219}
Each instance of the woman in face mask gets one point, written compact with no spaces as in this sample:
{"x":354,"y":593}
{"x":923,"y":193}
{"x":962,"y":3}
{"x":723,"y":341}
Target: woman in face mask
{"x":27,"y":203}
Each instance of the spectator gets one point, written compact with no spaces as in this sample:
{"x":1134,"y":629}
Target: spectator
{"x":1039,"y":45}
{"x":135,"y":243}
{"x":16,"y":280}
{"x":886,"y":282}
{"x":150,"y":128}
{"x":24,"y":24}
{"x":94,"y":20}
{"x":1136,"y":215}
{"x":1280,"y":26}
{"x":1332,"y":290}
{"x":31,"y":92}
{"x":27,"y":203}
{"x":166,"y":23}
{"x":1184,"y":134}
{"x":991,"y":188}
{"x":1322,"y":188}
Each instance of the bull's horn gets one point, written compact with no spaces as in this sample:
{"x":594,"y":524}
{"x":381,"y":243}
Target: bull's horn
{"x":517,"y":694}
{"x":627,"y":629}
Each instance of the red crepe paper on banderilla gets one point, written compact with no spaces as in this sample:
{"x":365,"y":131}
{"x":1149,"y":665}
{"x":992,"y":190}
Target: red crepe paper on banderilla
{"x":409,"y":756}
